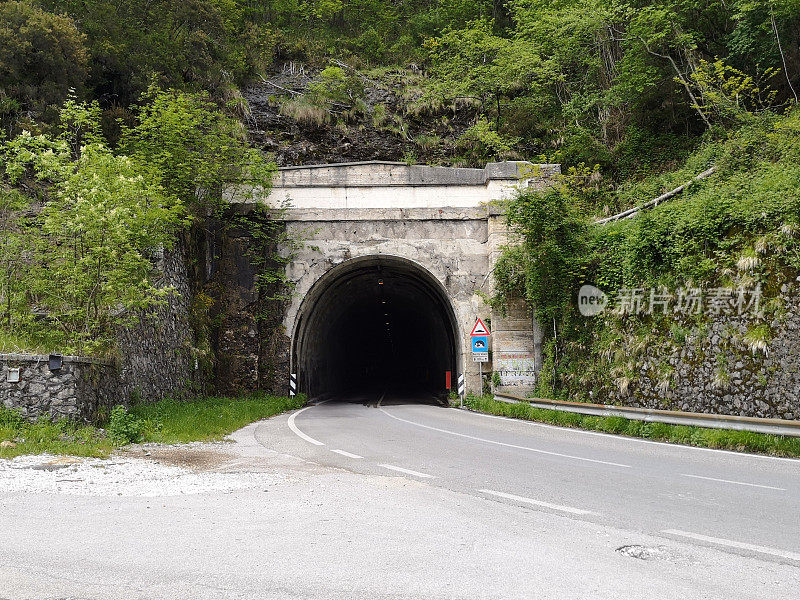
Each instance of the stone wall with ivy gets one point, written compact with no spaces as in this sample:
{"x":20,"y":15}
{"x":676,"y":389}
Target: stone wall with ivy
{"x":156,"y":358}
{"x":731,"y":364}
{"x":241,"y":300}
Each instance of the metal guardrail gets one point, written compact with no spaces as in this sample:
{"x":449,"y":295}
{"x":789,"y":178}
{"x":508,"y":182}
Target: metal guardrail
{"x":671,"y":417}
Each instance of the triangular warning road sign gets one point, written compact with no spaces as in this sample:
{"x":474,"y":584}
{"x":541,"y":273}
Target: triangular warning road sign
{"x":480,"y":328}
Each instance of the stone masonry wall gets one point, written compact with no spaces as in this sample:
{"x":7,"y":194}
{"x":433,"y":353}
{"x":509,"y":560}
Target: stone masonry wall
{"x":157,"y":356}
{"x":716,"y":370}
{"x":78,"y":391}
{"x":156,"y":360}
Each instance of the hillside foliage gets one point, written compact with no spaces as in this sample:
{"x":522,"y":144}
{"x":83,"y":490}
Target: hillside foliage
{"x":736,"y":230}
{"x":121,"y":121}
{"x":629,"y":85}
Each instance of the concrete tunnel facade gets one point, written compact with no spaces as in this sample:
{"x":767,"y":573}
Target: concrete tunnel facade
{"x":395,"y":263}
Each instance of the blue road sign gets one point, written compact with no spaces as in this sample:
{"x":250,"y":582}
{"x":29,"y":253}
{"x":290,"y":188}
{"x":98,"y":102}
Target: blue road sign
{"x":480,"y":343}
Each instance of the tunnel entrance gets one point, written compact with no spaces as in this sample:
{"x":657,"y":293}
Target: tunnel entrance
{"x":376,"y":322}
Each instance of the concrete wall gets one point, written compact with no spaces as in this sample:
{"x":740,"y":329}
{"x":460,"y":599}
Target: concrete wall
{"x":390,"y":185}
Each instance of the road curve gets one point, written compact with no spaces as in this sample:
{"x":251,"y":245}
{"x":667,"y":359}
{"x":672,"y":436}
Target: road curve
{"x":739,"y":503}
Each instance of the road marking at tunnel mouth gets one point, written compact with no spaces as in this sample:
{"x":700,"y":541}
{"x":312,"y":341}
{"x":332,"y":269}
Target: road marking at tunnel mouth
{"x":523,"y":499}
{"x":480,"y":439}
{"x":734,"y":544}
{"x":766,"y":487}
{"x":406,"y":471}
{"x":299,"y":433}
{"x":347,"y":454}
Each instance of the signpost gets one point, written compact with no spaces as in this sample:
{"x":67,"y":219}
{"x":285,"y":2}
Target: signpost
{"x":480,"y":346}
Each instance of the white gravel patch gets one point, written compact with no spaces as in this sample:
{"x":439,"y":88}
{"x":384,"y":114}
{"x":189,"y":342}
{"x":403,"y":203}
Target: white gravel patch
{"x":118,"y":476}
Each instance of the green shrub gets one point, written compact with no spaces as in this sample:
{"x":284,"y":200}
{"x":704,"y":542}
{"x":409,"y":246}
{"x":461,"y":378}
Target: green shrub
{"x":123,"y":427}
{"x":482,"y":143}
{"x":334,"y":85}
{"x":10,"y":418}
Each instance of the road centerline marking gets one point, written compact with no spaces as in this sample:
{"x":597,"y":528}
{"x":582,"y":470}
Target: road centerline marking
{"x":347,"y":454}
{"x":757,"y":485}
{"x":488,"y":441}
{"x":406,"y":471}
{"x":524,"y":500}
{"x":297,"y":431}
{"x":734,"y":544}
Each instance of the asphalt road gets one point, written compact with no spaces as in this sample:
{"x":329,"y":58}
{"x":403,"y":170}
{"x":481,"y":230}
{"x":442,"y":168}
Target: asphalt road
{"x":378,"y":497}
{"x":736,"y":502}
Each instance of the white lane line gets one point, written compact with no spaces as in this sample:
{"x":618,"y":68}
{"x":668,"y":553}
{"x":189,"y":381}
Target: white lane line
{"x":766,"y":487}
{"x":407,"y":471}
{"x":733,"y":544}
{"x":480,"y":439}
{"x":515,"y":498}
{"x":632,"y":439}
{"x":299,"y":433}
{"x":347,"y":454}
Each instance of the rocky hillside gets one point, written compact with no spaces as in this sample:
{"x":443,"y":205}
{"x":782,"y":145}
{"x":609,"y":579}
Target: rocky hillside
{"x":296,"y":116}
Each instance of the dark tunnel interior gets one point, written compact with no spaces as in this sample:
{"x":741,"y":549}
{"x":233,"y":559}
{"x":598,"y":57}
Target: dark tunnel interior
{"x":375,"y":324}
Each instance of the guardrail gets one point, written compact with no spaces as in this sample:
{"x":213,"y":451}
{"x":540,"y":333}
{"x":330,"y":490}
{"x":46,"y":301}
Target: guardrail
{"x":671,"y":417}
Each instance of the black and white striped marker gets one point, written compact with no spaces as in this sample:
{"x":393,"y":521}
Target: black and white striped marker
{"x":292,"y":385}
{"x":461,"y":384}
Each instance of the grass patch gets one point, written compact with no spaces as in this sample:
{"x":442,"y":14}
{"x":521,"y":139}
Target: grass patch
{"x":13,"y":341}
{"x":207,"y":419}
{"x":302,"y":110}
{"x":703,"y":437}
{"x":167,"y":421}
{"x":53,"y":437}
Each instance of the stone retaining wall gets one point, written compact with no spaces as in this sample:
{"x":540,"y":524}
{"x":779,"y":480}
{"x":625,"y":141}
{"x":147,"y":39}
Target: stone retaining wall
{"x":157,"y":356}
{"x":156,"y":360}
{"x":79,"y":390}
{"x":715,"y":369}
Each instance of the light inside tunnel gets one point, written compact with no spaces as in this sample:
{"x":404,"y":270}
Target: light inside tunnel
{"x":375,"y":323}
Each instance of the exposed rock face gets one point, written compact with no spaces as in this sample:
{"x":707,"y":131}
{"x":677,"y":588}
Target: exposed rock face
{"x":352,"y":137}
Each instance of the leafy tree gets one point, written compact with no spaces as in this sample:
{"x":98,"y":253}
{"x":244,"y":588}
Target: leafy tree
{"x":481,"y":143}
{"x":12,"y":252}
{"x":194,"y":149}
{"x":107,"y":217}
{"x":93,"y":242}
{"x":551,"y":257}
{"x":473,"y":63}
{"x":42,"y":57}
{"x":188,"y":44}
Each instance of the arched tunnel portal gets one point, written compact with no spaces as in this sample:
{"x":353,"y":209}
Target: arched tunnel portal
{"x":375,"y":322}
